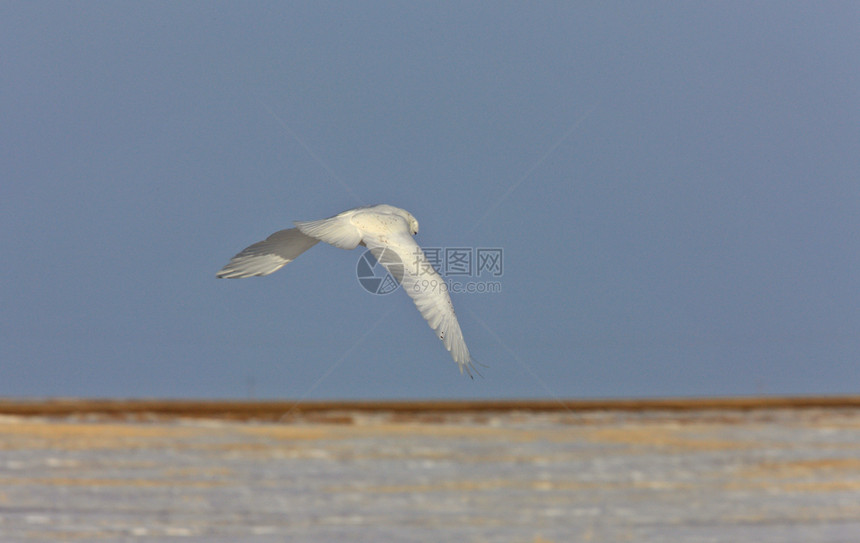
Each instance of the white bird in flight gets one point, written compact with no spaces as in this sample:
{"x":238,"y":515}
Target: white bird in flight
{"x":387,"y":231}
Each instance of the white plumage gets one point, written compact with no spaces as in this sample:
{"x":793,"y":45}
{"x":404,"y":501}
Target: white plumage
{"x":381,"y":228}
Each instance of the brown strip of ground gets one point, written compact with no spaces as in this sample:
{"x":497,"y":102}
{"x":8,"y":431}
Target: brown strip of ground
{"x":285,"y":409}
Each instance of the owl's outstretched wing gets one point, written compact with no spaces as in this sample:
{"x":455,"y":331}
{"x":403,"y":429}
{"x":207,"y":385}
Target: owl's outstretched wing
{"x":426,"y":288}
{"x":267,"y":256}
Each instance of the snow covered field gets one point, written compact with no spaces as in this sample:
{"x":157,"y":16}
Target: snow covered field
{"x":766,"y":475}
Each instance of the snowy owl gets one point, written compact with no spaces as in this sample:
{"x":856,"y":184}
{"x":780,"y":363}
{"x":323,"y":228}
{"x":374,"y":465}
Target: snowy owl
{"x":382,"y":229}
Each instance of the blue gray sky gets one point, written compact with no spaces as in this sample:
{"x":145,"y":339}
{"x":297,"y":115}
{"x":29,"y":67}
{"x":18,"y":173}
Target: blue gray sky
{"x":675,"y":187}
